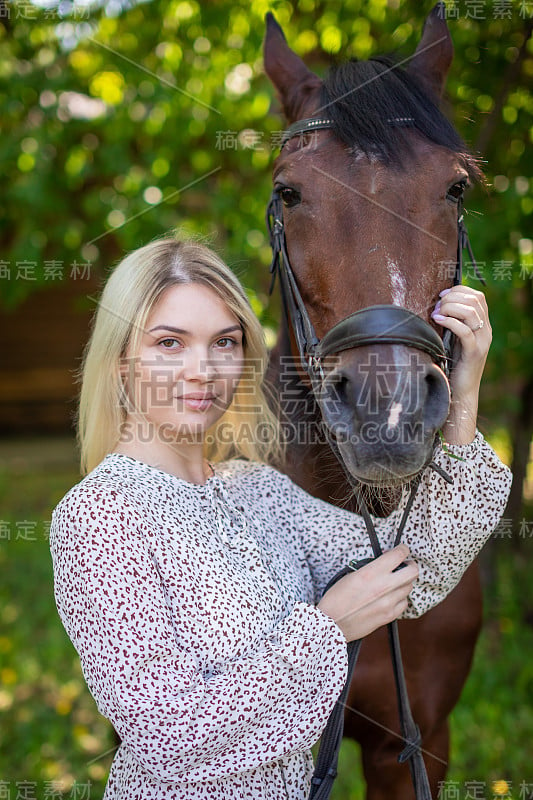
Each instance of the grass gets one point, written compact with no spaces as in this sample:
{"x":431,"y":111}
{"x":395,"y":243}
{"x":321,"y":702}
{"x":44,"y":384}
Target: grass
{"x":53,"y":740}
{"x":51,"y":730}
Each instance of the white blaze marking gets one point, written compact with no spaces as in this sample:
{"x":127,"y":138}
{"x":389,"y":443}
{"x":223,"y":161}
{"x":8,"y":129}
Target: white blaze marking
{"x":394,"y":415}
{"x":398,"y":288}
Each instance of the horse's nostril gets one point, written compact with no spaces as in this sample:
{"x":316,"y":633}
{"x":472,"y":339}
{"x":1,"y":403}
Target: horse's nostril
{"x":335,"y":402}
{"x":431,"y":383}
{"x":337,"y":392}
{"x":437,"y":398}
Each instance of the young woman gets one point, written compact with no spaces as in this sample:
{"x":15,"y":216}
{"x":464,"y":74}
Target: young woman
{"x":191,"y":585}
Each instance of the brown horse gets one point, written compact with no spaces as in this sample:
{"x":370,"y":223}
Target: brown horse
{"x":370,"y":215}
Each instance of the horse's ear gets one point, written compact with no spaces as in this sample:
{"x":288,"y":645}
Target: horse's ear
{"x":434,"y":54}
{"x":297,"y":86}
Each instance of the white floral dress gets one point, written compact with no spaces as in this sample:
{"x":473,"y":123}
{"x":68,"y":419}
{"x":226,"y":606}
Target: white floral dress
{"x":192,"y":608}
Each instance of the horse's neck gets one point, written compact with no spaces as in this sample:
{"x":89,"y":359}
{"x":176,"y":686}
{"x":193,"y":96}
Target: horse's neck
{"x":311,"y":462}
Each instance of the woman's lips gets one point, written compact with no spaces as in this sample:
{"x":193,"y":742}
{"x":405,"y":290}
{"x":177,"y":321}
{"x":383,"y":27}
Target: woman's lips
{"x":197,"y":402}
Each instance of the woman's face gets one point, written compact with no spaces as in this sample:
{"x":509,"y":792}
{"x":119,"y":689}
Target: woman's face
{"x":188,"y":365}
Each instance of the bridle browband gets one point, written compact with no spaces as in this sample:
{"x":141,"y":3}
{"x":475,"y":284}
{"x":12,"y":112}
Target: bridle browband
{"x":380,"y":324}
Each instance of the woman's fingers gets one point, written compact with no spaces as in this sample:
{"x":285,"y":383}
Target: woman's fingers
{"x":372,"y":596}
{"x":464,"y":305}
{"x":464,"y":312}
{"x":393,"y":564}
{"x":469,"y":315}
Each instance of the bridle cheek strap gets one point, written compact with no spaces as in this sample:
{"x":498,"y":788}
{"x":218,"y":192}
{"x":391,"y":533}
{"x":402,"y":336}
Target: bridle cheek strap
{"x":463,"y":242}
{"x":295,"y":310}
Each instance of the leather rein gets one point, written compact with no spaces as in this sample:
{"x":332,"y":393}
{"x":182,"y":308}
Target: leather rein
{"x":379,"y":324}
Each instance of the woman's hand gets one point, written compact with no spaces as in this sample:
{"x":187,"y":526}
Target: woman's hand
{"x":371,"y":596}
{"x":464,"y":311}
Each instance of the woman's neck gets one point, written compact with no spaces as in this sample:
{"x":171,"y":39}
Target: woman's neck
{"x":184,"y":460}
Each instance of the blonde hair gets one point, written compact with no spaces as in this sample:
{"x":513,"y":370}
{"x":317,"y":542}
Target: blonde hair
{"x":251,"y":429}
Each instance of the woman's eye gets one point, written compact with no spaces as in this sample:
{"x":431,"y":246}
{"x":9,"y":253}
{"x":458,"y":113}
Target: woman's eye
{"x":225,"y":343}
{"x":290,"y":197}
{"x":457,"y":190}
{"x":168,"y":344}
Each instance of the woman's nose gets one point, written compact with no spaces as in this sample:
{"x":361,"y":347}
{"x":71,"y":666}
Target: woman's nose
{"x":198,"y":366}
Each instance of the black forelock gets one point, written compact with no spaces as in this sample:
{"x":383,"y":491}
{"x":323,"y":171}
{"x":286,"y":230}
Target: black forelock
{"x":369,"y":101}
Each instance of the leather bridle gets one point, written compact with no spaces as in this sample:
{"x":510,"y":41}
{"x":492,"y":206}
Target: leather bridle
{"x":379,"y":324}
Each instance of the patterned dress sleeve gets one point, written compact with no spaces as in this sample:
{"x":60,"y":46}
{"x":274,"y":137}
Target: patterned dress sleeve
{"x":179,"y":724}
{"x":446,"y":528}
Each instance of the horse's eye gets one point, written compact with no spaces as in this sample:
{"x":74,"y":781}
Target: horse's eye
{"x":290,"y":197}
{"x":456,"y":190}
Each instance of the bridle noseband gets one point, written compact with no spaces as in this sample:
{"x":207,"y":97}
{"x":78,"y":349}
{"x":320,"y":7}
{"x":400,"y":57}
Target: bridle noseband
{"x":380,"y":324}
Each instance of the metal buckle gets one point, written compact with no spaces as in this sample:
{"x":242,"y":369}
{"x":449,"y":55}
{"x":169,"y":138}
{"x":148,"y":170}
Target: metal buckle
{"x":314,"y":364}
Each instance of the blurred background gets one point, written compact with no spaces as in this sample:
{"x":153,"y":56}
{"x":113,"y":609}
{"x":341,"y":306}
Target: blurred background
{"x":123,"y":120}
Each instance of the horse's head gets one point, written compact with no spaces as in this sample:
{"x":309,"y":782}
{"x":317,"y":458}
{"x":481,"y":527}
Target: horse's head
{"x":370,"y":213}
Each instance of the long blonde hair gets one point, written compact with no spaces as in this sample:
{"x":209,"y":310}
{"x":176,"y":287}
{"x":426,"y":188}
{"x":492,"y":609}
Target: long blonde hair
{"x":247,"y":429}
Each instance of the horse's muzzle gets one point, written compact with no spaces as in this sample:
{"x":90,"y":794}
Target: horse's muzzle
{"x":384,"y":405}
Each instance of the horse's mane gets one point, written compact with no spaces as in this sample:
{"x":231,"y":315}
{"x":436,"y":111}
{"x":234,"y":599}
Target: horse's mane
{"x":367,"y":101}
